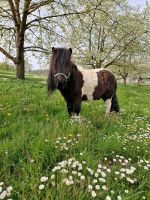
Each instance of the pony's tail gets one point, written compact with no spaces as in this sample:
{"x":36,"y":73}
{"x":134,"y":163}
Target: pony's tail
{"x":114,"y":104}
{"x":50,"y":83}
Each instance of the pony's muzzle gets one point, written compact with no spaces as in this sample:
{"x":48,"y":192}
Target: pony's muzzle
{"x":59,"y":80}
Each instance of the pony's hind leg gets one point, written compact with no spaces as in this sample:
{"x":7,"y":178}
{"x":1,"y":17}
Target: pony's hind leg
{"x":114,"y":105}
{"x":108,"y":104}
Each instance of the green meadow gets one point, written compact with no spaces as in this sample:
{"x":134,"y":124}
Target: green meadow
{"x":45,"y":155}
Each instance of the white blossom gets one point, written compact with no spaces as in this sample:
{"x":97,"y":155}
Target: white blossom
{"x":53,"y":176}
{"x":104,"y":187}
{"x":97,"y":187}
{"x":108,"y":170}
{"x":119,"y":197}
{"x":3,"y":194}
{"x":1,"y":183}
{"x":90,"y":187}
{"x":44,"y":178}
{"x":102,"y":180}
{"x":103,"y":174}
{"x":9,"y":189}
{"x":41,"y":187}
{"x":108,"y":197}
{"x":82,"y":177}
{"x":74,"y":172}
{"x":70,"y":178}
{"x":126,"y":191}
{"x":93,"y":194}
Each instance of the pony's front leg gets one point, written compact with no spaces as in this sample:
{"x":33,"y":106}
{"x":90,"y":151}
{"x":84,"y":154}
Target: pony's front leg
{"x":70,"y":107}
{"x":74,"y":107}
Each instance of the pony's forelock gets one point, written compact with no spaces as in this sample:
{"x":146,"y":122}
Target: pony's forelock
{"x":61,"y":60}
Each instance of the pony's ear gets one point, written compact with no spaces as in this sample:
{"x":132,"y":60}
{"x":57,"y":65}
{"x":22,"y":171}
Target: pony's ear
{"x":53,"y":49}
{"x":70,"y":49}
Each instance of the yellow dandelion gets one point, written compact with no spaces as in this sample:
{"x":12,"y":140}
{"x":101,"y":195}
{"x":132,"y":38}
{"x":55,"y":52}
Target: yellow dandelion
{"x":8,"y":114}
{"x":70,"y":135}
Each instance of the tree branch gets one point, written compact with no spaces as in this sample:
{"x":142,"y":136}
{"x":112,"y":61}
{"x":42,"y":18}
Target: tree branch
{"x":120,"y":54}
{"x":61,"y":15}
{"x":8,"y":55}
{"x":53,"y":16}
{"x":2,"y":27}
{"x":11,"y":4}
{"x":6,"y":11}
{"x":113,"y":47}
{"x":36,"y":48}
{"x":17,"y":2}
{"x":35,"y":6}
{"x":24,"y":16}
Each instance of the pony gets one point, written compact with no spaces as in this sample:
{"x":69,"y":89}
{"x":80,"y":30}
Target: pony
{"x":77,"y":84}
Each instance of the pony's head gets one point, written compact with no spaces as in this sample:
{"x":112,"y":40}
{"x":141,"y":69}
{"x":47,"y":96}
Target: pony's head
{"x":60,"y":68}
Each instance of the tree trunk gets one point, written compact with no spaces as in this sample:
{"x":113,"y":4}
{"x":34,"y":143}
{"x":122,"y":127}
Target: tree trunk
{"x":124,"y":76}
{"x":124,"y":80}
{"x":20,"y":69}
{"x":140,"y":80}
{"x":98,"y":64}
{"x":20,"y":65}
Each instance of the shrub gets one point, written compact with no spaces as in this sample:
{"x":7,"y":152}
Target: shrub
{"x":6,"y":66}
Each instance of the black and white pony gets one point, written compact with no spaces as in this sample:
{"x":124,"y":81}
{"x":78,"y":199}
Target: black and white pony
{"x":78,"y":84}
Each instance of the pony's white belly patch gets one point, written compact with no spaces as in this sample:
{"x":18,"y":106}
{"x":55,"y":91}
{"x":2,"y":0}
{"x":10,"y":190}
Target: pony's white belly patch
{"x":90,"y":79}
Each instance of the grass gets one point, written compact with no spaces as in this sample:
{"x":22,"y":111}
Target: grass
{"x":36,"y":134}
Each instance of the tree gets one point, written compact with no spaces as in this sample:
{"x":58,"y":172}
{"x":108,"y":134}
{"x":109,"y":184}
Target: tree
{"x":101,"y":32}
{"x":108,"y":33}
{"x":22,"y":22}
{"x":14,"y":20}
{"x":135,"y":62}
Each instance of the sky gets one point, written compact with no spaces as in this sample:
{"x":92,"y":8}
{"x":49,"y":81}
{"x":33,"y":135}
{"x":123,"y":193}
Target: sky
{"x":135,"y":3}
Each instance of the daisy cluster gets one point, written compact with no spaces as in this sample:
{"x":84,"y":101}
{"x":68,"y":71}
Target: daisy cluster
{"x":125,"y":171}
{"x":75,"y":118}
{"x":80,"y":120}
{"x":43,"y":180}
{"x":112,"y":170}
{"x":116,"y":169}
{"x":99,"y":182}
{"x":5,"y":192}
{"x":3,"y":107}
{"x":145,"y":164}
{"x":65,"y":143}
{"x":138,"y":135}
{"x":71,"y":169}
{"x":139,"y":118}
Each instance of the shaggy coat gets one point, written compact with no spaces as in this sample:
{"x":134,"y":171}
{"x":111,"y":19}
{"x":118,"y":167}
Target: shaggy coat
{"x":78,"y":84}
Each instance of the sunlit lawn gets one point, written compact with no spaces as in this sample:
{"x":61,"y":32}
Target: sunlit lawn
{"x":45,"y":155}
